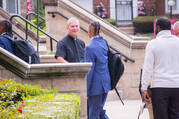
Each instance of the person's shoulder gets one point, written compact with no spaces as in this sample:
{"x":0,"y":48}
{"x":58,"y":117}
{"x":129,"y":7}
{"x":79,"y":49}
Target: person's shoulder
{"x":2,"y":38}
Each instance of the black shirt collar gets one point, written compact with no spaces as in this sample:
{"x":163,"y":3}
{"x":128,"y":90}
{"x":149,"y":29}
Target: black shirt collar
{"x":71,"y":37}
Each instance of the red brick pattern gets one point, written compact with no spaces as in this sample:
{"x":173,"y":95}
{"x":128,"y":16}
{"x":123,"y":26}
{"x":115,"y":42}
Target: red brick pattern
{"x":158,"y":5}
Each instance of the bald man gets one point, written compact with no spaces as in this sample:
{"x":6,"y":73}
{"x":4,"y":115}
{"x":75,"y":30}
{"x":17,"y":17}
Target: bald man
{"x":176,"y":28}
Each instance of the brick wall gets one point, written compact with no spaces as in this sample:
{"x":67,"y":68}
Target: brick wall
{"x":106,"y":4}
{"x":149,"y":6}
{"x":158,"y":5}
{"x":23,"y":7}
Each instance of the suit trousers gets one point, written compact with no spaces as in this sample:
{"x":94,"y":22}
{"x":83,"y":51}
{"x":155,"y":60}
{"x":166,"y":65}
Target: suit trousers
{"x":165,"y":102}
{"x":95,"y":106}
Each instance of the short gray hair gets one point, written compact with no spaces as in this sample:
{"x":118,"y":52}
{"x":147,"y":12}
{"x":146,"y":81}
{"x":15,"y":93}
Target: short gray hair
{"x":72,"y":19}
{"x":176,"y":24}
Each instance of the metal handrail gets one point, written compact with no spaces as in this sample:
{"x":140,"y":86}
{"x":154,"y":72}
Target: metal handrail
{"x":121,"y":54}
{"x":126,"y":57}
{"x":27,"y":21}
{"x":32,"y":13}
{"x":27,"y":17}
{"x":17,"y":34}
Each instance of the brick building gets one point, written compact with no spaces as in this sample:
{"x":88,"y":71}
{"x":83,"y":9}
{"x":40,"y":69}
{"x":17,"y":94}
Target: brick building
{"x":121,"y":10}
{"x":160,"y":7}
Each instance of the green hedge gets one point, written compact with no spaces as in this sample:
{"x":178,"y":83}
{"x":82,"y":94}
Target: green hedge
{"x":111,"y":21}
{"x":144,"y":24}
{"x":19,"y":101}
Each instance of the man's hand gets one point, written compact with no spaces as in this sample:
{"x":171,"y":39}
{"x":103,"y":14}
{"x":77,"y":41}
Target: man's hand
{"x":61,"y":60}
{"x":145,"y":96}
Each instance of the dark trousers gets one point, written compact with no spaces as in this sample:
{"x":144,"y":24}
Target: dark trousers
{"x":95,"y":106}
{"x":165,"y":102}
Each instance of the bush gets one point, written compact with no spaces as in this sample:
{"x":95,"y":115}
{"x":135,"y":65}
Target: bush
{"x":112,"y":21}
{"x":19,"y":101}
{"x":144,"y":24}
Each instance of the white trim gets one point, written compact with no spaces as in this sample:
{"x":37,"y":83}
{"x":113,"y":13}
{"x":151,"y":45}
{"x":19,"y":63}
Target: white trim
{"x":113,"y":9}
{"x":5,"y":6}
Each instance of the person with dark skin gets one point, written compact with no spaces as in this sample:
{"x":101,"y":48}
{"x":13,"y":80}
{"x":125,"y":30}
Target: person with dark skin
{"x":98,"y":78}
{"x":162,"y":64}
{"x":6,"y":29}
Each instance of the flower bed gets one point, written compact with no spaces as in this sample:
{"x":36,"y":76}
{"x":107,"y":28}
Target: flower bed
{"x":19,"y":101}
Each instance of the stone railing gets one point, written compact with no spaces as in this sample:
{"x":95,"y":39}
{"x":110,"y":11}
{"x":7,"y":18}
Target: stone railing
{"x":66,"y":77}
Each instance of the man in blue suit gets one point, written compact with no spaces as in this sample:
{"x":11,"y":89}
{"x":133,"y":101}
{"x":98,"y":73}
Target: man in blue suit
{"x":98,"y":78}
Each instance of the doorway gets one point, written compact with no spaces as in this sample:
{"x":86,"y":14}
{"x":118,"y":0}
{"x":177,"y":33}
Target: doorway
{"x":124,"y":10}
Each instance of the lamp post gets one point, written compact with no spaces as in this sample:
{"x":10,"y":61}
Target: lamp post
{"x":171,"y":3}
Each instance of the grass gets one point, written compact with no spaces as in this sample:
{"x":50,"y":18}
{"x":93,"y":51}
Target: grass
{"x":19,"y":101}
{"x":60,"y":106}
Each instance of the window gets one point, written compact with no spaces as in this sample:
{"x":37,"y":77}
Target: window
{"x":12,"y":6}
{"x":175,"y":8}
{"x":1,"y":4}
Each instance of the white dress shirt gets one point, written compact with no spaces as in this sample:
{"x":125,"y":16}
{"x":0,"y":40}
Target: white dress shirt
{"x":161,"y":62}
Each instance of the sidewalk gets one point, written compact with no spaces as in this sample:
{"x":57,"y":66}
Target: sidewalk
{"x":115,"y":109}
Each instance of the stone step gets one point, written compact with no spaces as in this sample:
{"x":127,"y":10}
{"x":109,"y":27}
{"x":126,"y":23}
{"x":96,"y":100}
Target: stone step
{"x":128,"y":30}
{"x":47,"y":59}
{"x":125,"y":24}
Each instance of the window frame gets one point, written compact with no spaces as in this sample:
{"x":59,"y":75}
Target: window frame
{"x":17,"y":6}
{"x":167,"y":9}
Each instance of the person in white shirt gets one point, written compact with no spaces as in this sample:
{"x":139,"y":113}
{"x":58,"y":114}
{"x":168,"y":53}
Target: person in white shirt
{"x":176,"y":28}
{"x":162,"y":64}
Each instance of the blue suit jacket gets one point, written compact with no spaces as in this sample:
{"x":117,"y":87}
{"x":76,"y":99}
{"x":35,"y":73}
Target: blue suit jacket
{"x":98,"y":78}
{"x":6,"y":44}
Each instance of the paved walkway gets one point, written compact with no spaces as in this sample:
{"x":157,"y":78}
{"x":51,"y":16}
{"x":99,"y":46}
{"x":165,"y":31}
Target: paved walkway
{"x":115,"y":109}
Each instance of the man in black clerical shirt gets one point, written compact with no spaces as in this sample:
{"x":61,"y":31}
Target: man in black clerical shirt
{"x":70,"y":48}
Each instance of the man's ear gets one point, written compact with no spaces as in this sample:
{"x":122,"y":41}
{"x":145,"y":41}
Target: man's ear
{"x":158,"y":28}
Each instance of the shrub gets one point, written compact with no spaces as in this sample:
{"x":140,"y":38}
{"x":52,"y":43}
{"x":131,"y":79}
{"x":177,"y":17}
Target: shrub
{"x":112,"y":21}
{"x":144,"y":24}
{"x":19,"y":101}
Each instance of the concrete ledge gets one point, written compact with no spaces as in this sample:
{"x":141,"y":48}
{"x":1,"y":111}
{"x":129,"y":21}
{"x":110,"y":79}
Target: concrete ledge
{"x":26,"y":71}
{"x":47,"y":59}
{"x":65,"y":77}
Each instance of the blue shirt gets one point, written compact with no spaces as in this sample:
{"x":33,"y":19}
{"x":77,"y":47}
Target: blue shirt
{"x":98,"y":78}
{"x":6,"y":43}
